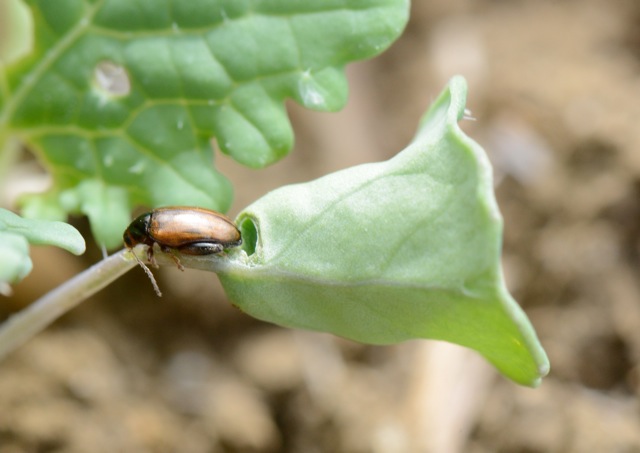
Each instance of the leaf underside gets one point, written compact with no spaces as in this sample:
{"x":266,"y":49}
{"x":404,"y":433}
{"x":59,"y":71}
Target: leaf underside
{"x":391,"y":251}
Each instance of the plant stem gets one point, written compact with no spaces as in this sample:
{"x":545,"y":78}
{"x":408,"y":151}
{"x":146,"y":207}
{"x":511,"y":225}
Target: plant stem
{"x":23,"y":325}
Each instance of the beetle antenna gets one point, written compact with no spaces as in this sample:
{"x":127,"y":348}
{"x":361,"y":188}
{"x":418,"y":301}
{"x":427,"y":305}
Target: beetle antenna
{"x":147,"y":271}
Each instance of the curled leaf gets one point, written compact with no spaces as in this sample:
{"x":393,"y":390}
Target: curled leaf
{"x":391,"y":251}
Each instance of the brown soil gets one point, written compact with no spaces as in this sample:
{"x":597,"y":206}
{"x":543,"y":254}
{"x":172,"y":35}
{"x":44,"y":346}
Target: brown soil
{"x":555,"y":89}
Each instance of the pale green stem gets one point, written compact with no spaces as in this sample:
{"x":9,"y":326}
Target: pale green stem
{"x":36,"y":317}
{"x":25,"y":324}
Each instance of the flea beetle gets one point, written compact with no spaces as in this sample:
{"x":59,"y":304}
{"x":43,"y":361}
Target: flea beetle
{"x":183,"y":229}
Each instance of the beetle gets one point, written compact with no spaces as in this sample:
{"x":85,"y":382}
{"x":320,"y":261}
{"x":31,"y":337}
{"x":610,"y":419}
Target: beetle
{"x":183,"y":229}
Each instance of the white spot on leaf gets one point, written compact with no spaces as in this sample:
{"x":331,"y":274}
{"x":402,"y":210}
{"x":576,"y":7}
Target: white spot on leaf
{"x":138,"y":167}
{"x":309,"y":93}
{"x":111,"y":79}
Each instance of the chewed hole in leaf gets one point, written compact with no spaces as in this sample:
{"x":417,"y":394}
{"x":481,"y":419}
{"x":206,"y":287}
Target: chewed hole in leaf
{"x":249,"y":232}
{"x":112,"y":79}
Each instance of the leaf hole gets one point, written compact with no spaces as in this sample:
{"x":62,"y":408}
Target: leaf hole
{"x":112,"y":79}
{"x":249,"y":231}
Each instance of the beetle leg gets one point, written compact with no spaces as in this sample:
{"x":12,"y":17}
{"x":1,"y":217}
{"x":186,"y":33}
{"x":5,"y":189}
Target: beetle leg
{"x":150,"y":257}
{"x":172,"y":253}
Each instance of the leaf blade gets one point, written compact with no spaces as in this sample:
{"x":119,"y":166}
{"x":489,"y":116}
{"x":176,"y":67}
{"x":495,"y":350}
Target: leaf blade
{"x":16,"y":233}
{"x":194,"y":71}
{"x":390,"y":251}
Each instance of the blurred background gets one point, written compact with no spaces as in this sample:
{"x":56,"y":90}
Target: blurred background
{"x":554,"y":87}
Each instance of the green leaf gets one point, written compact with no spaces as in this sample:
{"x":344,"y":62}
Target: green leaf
{"x":15,"y":263}
{"x":125,"y":96}
{"x":15,"y":30}
{"x":390,"y":251}
{"x":17,"y":233}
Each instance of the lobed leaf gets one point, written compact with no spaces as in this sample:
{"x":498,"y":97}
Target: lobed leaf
{"x":125,"y":96}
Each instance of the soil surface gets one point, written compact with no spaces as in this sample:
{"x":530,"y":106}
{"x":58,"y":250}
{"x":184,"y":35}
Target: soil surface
{"x":555,"y":90}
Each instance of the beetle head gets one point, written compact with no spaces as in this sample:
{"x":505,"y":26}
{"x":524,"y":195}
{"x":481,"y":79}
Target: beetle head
{"x":137,"y":232}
